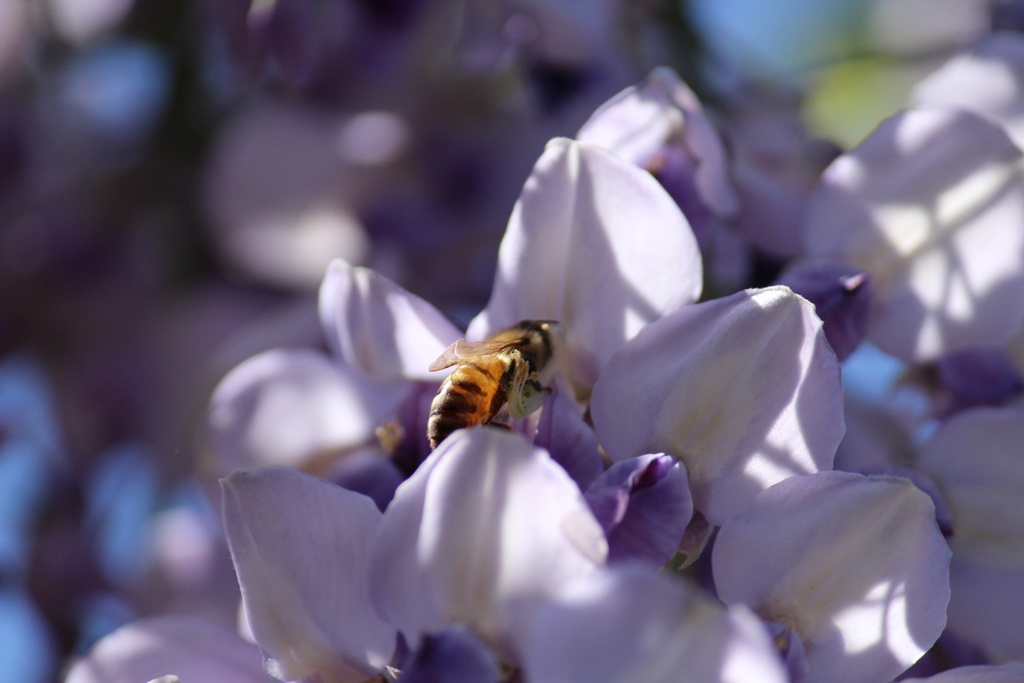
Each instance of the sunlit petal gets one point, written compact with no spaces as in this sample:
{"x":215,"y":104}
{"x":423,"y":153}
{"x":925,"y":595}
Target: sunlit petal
{"x":483,"y":531}
{"x":635,"y":624}
{"x":856,"y":565}
{"x":379,"y":328}
{"x":289,"y":407}
{"x":597,"y":245}
{"x":975,"y":458}
{"x":744,"y":390}
{"x":930,"y":206}
{"x":301,"y":547}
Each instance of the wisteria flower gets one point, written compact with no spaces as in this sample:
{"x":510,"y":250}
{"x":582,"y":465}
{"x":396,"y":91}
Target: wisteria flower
{"x":485,"y":531}
{"x":744,"y":390}
{"x":930,"y":207}
{"x":596,"y":244}
{"x":974,"y":458}
{"x":661,"y":126}
{"x":634,"y":624}
{"x":180,"y":648}
{"x":987,"y":79}
{"x":301,"y":548}
{"x":852,"y":568}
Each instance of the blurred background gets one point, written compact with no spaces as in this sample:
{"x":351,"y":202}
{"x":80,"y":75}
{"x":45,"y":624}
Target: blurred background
{"x":176,"y":176}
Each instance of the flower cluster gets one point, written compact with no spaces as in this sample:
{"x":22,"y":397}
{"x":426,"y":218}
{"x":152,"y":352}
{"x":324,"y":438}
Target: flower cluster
{"x":697,"y":498}
{"x":780,"y":436}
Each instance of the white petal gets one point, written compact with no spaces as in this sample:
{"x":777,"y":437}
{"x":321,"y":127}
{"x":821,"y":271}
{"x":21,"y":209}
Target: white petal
{"x":482,"y":532}
{"x":301,"y":548}
{"x":975,"y":458}
{"x":987,"y":80}
{"x":379,"y":328}
{"x":930,"y":206}
{"x":287,"y":407}
{"x":855,"y":564}
{"x":630,"y":623}
{"x":194,"y":650}
{"x":595,"y":243}
{"x":743,"y":389}
{"x":640,"y":120}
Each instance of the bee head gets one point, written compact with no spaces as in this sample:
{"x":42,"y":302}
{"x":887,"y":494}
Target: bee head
{"x":538,"y":349}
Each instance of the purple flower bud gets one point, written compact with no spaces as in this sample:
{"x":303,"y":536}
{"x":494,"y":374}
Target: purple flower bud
{"x":977,"y":377}
{"x":644,"y":505}
{"x":842,"y":296}
{"x":454,"y":655}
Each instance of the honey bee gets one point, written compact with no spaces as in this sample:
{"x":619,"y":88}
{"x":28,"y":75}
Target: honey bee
{"x":503,"y":368}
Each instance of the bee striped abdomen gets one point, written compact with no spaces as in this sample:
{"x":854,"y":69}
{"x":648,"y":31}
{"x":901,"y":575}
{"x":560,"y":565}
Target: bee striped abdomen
{"x":471,"y":395}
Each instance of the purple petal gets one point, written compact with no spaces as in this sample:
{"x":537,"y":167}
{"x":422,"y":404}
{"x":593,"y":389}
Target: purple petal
{"x":379,"y":328}
{"x":187,"y":647}
{"x":630,"y":623}
{"x":485,"y":528}
{"x":596,"y":244}
{"x":842,"y":298}
{"x":453,"y":656}
{"x":930,"y":206}
{"x":291,"y":406}
{"x":568,"y":438}
{"x":855,"y":564}
{"x":744,"y":390}
{"x":651,"y":507}
{"x":977,"y":377}
{"x":987,"y":607}
{"x":301,"y":548}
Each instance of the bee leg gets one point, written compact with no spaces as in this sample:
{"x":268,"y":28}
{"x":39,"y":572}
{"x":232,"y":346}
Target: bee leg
{"x":501,"y":425}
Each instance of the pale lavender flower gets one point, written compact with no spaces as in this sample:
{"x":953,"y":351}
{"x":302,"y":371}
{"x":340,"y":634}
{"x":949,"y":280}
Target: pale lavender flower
{"x":596,"y":244}
{"x":852,"y":566}
{"x":482,"y":534}
{"x":631,"y":623}
{"x":193,"y":649}
{"x":987,"y":79}
{"x":301,"y":548}
{"x":743,"y":390}
{"x":305,"y":408}
{"x":975,"y":460}
{"x":660,"y":125}
{"x":930,"y":207}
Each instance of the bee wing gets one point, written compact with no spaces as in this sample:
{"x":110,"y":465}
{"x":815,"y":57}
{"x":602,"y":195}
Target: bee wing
{"x":463,"y":350}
